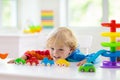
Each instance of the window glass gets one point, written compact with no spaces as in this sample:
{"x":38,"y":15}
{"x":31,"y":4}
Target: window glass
{"x":114,"y":10}
{"x":84,"y":12}
{"x":9,"y":13}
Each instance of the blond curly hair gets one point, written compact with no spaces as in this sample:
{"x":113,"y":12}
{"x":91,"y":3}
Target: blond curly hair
{"x":62,"y":36}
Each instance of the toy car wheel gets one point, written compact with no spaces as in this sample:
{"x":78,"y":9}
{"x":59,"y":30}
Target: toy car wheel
{"x":28,"y":63}
{"x":91,"y":70}
{"x":43,"y":64}
{"x":33,"y":64}
{"x":63,"y":64}
{"x":48,"y":64}
{"x":16,"y":63}
{"x":58,"y":64}
{"x":20,"y":63}
{"x":82,"y":70}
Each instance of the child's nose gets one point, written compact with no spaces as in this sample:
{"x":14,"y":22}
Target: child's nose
{"x":55,"y":52}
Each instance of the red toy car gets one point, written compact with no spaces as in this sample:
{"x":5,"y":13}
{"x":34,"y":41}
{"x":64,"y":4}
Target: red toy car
{"x":32,"y":61}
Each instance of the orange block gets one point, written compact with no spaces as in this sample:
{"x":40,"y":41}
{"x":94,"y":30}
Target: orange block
{"x":3,"y":56}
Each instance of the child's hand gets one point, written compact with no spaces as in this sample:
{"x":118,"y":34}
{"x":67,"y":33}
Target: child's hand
{"x":81,"y":62}
{"x":11,"y":61}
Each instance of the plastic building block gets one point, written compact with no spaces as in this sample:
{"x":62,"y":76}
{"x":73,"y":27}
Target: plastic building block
{"x":62,"y":62}
{"x":111,"y":34}
{"x":112,"y":44}
{"x":39,"y":54}
{"x":19,"y":61}
{"x":3,"y":55}
{"x":47,"y":62}
{"x":43,"y":54}
{"x":32,"y":61}
{"x":87,"y":67}
{"x":112,"y":25}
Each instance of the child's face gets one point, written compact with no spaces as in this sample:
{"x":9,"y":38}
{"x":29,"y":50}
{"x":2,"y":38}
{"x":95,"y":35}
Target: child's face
{"x":58,"y":52}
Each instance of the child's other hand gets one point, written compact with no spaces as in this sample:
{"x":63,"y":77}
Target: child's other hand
{"x":11,"y":61}
{"x":81,"y":62}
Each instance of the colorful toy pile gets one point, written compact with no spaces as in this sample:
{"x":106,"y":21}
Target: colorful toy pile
{"x":33,"y":29}
{"x":42,"y":57}
{"x":39,"y":54}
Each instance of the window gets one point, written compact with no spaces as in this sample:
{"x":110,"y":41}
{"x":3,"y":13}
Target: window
{"x":8,"y":13}
{"x":84,"y":13}
{"x":114,"y":10}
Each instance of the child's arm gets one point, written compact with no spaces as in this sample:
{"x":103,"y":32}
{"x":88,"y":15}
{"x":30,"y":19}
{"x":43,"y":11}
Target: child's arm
{"x":26,"y":56}
{"x":38,"y":54}
{"x":82,"y":62}
{"x":12,"y":61}
{"x":92,"y":58}
{"x":97,"y":60}
{"x":76,"y":56}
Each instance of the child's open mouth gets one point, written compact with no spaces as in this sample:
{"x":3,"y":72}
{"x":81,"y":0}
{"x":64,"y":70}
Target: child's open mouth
{"x":57,"y":57}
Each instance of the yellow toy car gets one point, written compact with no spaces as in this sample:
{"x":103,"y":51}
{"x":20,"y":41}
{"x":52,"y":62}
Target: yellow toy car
{"x":62,"y":62}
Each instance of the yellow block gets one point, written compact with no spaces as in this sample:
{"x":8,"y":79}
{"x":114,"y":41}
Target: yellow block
{"x":112,"y":39}
{"x":111,"y":34}
{"x":46,"y":14}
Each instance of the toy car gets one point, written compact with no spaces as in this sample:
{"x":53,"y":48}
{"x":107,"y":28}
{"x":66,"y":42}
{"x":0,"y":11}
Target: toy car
{"x":19,"y":61}
{"x":62,"y":62}
{"x":87,"y":67}
{"x":32,"y":61}
{"x":47,"y":62}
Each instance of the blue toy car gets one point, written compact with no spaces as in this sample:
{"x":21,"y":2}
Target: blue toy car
{"x":47,"y":62}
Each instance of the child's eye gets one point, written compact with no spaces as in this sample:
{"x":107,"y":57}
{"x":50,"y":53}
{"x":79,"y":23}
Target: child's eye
{"x":52,"y":48}
{"x":61,"y":50}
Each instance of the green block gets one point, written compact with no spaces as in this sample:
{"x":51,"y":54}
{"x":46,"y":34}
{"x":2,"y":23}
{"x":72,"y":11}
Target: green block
{"x":110,"y":44}
{"x":112,"y":49}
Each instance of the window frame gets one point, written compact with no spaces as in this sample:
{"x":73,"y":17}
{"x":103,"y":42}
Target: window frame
{"x":6,"y":28}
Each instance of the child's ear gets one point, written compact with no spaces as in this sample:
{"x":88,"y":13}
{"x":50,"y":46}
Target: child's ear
{"x":71,"y":50}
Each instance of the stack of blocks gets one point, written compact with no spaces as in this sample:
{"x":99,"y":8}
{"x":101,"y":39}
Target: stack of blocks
{"x":113,"y":54}
{"x":47,"y":18}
